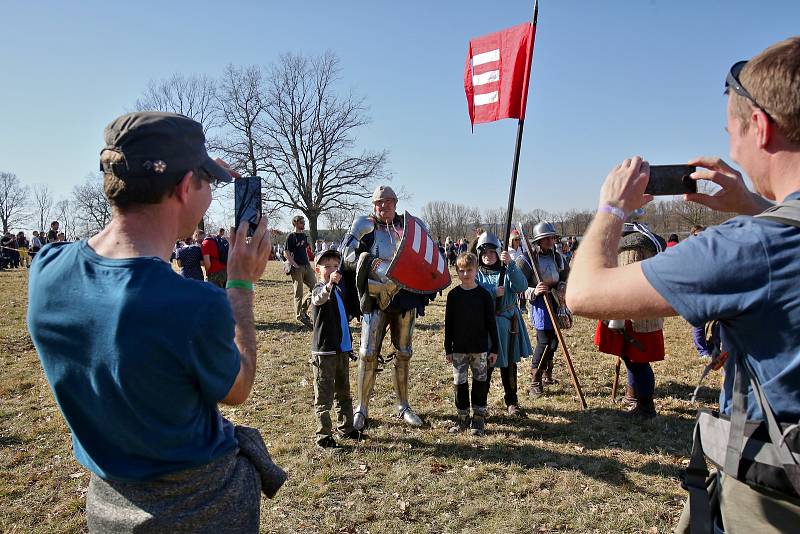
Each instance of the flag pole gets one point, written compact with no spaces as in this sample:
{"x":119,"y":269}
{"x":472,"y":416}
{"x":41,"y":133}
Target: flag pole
{"x":515,"y":168}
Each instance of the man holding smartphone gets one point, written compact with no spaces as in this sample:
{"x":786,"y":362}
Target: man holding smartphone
{"x":141,"y":401}
{"x":748,"y":282}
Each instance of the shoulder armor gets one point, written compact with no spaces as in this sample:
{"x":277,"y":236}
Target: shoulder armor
{"x":362,"y":225}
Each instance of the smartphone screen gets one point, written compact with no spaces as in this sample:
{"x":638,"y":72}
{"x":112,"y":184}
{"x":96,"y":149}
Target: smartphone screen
{"x":671,"y":180}
{"x":247,"y":205}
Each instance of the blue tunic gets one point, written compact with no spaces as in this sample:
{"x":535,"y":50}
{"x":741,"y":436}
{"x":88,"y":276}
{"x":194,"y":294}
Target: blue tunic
{"x":515,"y":282}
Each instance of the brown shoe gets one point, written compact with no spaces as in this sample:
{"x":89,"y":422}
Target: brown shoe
{"x":629,"y":400}
{"x":515,"y":411}
{"x":645,"y":409}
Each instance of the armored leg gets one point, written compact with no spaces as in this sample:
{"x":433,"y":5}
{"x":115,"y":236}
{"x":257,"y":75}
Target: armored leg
{"x":373,"y":330}
{"x":402,"y":327}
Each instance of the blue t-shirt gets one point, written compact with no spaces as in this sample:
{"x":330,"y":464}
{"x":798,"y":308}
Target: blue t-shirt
{"x":347,"y":341}
{"x":137,"y":358}
{"x":746,"y":273}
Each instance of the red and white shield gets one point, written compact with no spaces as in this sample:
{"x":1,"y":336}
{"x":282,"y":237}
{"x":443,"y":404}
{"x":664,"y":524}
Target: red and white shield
{"x":418,"y":266}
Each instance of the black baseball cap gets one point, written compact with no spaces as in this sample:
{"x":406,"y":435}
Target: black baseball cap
{"x":154,"y":143}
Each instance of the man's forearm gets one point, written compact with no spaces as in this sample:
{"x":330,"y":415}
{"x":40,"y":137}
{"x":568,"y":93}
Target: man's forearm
{"x":598,"y":251}
{"x":245,"y":333}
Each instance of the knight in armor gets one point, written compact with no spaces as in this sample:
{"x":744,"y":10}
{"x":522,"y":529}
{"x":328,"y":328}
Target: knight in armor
{"x":514,"y":343}
{"x":637,"y":342}
{"x":554,"y":271}
{"x":369,"y":249}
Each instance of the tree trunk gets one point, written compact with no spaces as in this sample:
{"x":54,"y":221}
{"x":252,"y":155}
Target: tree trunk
{"x":312,"y":228}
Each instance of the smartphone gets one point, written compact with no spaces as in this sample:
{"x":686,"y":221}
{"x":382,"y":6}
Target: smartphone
{"x":671,"y":180}
{"x":247,"y":205}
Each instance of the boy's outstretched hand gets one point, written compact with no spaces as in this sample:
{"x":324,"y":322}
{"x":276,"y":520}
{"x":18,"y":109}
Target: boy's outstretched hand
{"x":491,"y":359}
{"x":449,"y":358}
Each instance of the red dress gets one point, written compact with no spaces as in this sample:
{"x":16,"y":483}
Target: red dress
{"x":611,"y":342}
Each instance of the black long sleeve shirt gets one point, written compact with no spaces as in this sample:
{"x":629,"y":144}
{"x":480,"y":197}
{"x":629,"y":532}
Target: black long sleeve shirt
{"x":469,"y":322}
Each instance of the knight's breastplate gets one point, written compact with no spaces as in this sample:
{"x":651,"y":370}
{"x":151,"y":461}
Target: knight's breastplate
{"x":548,"y":269}
{"x":386,"y":241}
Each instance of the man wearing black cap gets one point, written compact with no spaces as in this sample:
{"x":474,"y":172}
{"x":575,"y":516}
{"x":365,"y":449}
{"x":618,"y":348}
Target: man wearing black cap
{"x":138,"y":357}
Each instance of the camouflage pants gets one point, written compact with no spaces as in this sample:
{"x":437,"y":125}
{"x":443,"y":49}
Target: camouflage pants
{"x":332,"y":383}
{"x":462,"y":363}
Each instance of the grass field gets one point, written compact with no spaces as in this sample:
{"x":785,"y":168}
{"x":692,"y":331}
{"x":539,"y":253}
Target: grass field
{"x":560,"y":469}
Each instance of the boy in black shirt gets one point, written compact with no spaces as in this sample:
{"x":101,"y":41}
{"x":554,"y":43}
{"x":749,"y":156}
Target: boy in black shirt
{"x":331,"y":347}
{"x":470,"y":332}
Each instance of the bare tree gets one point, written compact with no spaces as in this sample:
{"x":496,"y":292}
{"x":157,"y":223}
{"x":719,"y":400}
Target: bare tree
{"x":310,"y":131}
{"x":13,"y":200}
{"x":92,"y":210}
{"x":338,"y":220}
{"x":43,"y":204}
{"x":193,"y":96}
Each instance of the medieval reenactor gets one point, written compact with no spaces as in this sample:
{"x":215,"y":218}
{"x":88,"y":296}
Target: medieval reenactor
{"x":636,"y":342}
{"x":554,"y":271}
{"x":512,"y":334}
{"x":398,"y":270}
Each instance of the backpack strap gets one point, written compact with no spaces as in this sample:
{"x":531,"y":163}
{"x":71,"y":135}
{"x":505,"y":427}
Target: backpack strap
{"x":787,"y":212}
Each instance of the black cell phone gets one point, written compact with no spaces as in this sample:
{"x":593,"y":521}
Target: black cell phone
{"x":247,"y":203}
{"x":671,"y":180}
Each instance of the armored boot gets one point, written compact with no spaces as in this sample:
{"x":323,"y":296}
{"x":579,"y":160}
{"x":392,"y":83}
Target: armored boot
{"x":645,"y":409}
{"x":401,"y":368}
{"x":366,"y":381}
{"x":536,"y":388}
{"x":462,"y":423}
{"x":629,"y":400}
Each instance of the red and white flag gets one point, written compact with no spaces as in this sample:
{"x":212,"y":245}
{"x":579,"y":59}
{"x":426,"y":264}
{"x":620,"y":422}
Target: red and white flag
{"x":497,"y":72}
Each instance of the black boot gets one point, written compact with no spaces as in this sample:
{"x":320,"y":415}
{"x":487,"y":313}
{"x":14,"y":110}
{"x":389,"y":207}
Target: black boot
{"x":548,"y":374}
{"x":536,"y":388}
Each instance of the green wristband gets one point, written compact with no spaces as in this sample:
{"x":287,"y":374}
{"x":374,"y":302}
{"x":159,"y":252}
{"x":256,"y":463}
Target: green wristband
{"x":239,"y":284}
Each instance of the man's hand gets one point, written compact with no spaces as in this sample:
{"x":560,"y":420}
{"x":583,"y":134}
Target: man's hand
{"x":625,"y":184}
{"x":540,"y":289}
{"x":734,"y":197}
{"x":505,"y":257}
{"x":449,"y":358}
{"x":247,"y":260}
{"x":499,"y":291}
{"x":491,"y":359}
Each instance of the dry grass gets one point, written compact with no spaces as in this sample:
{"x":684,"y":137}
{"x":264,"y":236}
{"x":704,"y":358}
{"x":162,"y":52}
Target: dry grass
{"x":558,"y":470}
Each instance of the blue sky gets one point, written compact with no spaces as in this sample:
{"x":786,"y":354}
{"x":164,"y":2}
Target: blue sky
{"x":610,"y":79}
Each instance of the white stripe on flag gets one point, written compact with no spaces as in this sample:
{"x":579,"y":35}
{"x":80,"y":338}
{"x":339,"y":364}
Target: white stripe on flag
{"x":485,"y":98}
{"x":486,"y":77}
{"x":429,"y":250}
{"x":440,"y":267}
{"x":417,"y":236}
{"x":486,"y":57}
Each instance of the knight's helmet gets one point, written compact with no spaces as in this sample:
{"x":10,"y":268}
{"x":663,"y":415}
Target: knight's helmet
{"x":543,"y":229}
{"x":488,"y":239}
{"x":638,"y":243}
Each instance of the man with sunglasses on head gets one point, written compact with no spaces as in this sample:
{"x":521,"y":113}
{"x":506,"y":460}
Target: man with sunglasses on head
{"x":141,"y":401}
{"x":749,"y":283}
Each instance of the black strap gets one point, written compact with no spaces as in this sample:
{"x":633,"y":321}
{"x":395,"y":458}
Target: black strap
{"x":695,"y":483}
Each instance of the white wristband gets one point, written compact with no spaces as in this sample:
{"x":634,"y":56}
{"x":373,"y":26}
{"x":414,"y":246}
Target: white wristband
{"x":613,"y":210}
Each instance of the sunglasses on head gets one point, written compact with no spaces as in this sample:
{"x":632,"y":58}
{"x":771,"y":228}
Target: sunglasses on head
{"x":732,"y":82}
